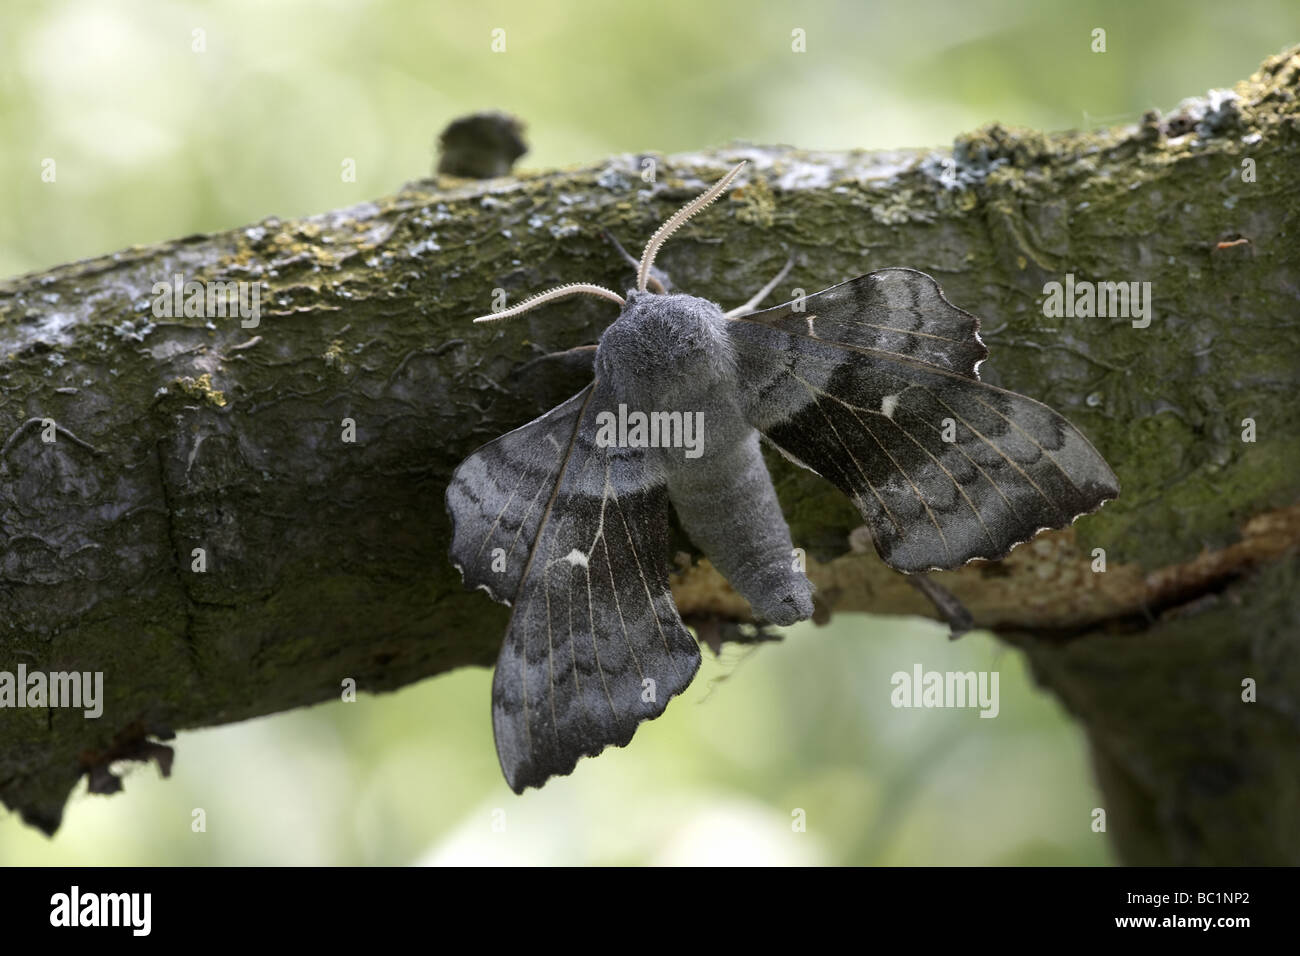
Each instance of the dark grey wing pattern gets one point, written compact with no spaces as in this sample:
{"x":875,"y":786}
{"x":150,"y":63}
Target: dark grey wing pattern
{"x":873,"y":421}
{"x":900,"y":312}
{"x":595,"y":644}
{"x":498,"y":496}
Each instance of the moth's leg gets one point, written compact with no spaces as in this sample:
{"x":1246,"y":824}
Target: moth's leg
{"x":714,"y":630}
{"x":658,"y":279}
{"x":763,"y":293}
{"x":953,"y":612}
{"x":578,"y":358}
{"x":551,"y":378}
{"x":727,"y":504}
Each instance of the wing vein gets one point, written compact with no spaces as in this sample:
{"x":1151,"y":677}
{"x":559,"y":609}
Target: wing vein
{"x":847,"y":450}
{"x":853,"y":410}
{"x":645,"y":585}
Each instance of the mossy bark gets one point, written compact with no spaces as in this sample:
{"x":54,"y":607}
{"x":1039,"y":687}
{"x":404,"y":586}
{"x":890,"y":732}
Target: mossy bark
{"x":326,"y":559}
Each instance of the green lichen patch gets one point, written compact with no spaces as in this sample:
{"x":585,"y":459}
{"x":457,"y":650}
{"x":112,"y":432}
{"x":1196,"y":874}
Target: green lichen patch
{"x":200,"y":388}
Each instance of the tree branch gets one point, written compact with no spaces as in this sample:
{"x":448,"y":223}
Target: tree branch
{"x":326,"y":559}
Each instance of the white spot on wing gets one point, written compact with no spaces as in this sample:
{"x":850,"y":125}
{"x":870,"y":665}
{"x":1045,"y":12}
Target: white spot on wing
{"x":887,"y":406}
{"x":576,"y":558}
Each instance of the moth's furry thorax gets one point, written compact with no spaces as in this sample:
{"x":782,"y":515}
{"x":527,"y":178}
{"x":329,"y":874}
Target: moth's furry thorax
{"x":665,"y":344}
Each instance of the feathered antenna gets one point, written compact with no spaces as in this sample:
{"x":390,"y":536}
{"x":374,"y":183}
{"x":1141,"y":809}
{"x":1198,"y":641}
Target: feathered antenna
{"x":677,"y":221}
{"x":532,"y":302}
{"x":643,"y":277}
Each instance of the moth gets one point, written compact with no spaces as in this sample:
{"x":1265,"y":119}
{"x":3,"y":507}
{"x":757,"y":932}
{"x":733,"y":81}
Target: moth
{"x":872,"y":384}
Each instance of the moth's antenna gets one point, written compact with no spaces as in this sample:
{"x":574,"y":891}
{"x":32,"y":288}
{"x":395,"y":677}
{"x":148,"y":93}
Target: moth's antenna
{"x":573,"y":288}
{"x":677,"y":221}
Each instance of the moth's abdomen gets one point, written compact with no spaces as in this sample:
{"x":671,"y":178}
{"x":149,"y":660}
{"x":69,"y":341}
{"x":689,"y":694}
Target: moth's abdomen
{"x":727,"y":504}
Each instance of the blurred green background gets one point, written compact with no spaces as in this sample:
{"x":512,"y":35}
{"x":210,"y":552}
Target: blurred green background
{"x":154,"y":139}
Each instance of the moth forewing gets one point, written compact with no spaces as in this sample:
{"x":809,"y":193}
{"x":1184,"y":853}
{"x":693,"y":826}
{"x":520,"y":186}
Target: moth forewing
{"x":883,"y":399}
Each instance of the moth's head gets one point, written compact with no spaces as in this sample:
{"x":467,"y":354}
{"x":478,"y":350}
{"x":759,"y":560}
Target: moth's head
{"x":662,"y":345}
{"x":655,"y":331}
